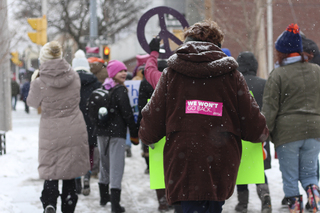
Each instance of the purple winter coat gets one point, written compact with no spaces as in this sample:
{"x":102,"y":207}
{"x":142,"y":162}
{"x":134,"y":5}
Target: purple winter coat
{"x":63,"y":140}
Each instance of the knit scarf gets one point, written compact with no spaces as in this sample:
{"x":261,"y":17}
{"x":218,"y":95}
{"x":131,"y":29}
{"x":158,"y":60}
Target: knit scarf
{"x":292,"y":58}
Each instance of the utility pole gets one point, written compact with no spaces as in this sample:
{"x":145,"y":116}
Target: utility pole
{"x":269,"y":34}
{"x":93,"y":23}
{"x":261,"y":40}
{"x":209,"y":9}
{"x":44,"y":7}
{"x":5,"y":85}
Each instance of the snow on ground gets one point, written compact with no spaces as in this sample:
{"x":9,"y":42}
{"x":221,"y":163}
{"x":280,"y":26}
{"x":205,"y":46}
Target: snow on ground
{"x":20,"y":186}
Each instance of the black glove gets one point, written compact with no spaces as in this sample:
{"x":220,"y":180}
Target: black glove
{"x":155,"y":44}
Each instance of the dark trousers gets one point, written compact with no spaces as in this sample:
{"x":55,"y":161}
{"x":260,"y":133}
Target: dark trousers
{"x":204,"y":206}
{"x":91,"y":154}
{"x":26,"y":107}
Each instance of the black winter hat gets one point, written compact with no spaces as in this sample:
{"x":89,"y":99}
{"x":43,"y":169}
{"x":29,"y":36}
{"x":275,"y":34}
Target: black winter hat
{"x":309,"y":46}
{"x":247,"y":62}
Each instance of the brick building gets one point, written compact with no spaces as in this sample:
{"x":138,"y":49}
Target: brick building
{"x":236,"y":19}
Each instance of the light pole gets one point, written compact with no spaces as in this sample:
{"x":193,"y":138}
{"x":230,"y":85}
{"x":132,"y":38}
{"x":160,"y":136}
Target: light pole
{"x":270,"y":35}
{"x":5,"y":85}
{"x":93,"y":23}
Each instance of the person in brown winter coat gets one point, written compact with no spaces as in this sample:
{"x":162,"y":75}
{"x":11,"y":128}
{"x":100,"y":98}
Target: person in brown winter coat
{"x":203,"y":106}
{"x":63,"y":138}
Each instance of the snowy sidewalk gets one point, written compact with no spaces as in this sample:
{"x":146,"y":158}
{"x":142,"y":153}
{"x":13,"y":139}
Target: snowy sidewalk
{"x":20,"y":187}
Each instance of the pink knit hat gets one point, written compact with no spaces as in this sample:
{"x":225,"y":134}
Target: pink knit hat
{"x":114,"y":67}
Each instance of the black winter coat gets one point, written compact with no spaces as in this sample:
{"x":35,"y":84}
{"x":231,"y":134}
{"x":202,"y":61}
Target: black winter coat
{"x":145,"y":93}
{"x":15,"y":88}
{"x":120,"y":116}
{"x":89,"y":83}
{"x":25,"y":91}
{"x":248,"y":66}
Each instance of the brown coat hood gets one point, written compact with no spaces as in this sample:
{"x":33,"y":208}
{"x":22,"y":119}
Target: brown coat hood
{"x":206,"y":58}
{"x":203,"y":150}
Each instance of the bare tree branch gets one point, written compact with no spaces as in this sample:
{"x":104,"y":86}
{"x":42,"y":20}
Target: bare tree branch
{"x":73,"y":16}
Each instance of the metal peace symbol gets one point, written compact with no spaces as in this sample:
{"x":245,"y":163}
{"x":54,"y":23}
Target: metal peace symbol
{"x":164,"y":34}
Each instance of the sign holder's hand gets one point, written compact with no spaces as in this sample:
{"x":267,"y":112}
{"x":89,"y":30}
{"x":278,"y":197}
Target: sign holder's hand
{"x":154,"y":45}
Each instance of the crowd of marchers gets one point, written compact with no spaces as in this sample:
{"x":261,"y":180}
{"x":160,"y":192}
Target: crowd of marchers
{"x":86,"y":117}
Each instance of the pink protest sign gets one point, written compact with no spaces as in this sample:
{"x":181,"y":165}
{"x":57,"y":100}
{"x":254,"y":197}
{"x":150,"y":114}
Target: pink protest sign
{"x":204,"y":107}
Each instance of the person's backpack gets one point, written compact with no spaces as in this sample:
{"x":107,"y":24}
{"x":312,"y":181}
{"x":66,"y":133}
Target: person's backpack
{"x":99,"y":100}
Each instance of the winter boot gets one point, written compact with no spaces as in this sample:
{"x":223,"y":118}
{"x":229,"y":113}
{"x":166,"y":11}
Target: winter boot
{"x":104,"y":194}
{"x":49,"y":196}
{"x":128,"y":151}
{"x":308,"y":207}
{"x":49,"y":209}
{"x":264,"y":195}
{"x":295,"y":204}
{"x":78,"y":185}
{"x":69,"y":196}
{"x":313,"y":198}
{"x":243,"y":199}
{"x":86,"y":184}
{"x":115,"y":201}
{"x":68,"y":202}
{"x":284,"y":202}
{"x":163,"y":204}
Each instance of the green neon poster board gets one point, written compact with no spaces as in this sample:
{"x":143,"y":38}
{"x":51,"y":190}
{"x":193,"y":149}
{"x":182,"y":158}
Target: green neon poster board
{"x":251,"y":169}
{"x":156,"y":165}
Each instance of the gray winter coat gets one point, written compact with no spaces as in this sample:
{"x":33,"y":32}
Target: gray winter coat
{"x":63,"y":140}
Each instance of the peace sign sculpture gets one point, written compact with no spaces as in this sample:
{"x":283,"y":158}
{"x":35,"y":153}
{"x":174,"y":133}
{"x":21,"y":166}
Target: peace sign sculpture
{"x":164,"y":34}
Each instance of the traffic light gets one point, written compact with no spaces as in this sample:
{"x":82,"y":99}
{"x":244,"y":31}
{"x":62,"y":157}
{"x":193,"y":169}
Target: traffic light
{"x":106,"y":53}
{"x":40,"y":25}
{"x":15,"y":58}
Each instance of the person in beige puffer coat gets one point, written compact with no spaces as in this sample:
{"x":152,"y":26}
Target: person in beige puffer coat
{"x":63,"y":140}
